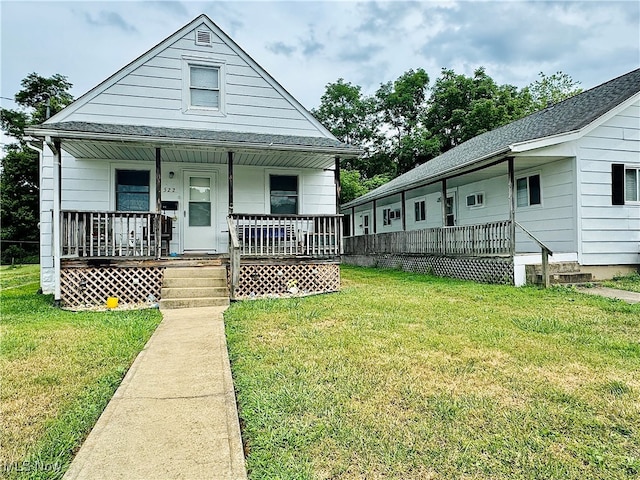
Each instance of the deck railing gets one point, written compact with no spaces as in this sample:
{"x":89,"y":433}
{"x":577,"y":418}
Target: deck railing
{"x":487,"y":239}
{"x":288,"y":235}
{"x":112,"y":234}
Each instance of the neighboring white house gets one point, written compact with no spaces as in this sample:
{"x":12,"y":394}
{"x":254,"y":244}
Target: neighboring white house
{"x":569,"y":175}
{"x":195,"y":130}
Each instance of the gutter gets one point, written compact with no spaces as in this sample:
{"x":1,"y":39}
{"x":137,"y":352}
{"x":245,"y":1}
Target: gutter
{"x":144,"y":140}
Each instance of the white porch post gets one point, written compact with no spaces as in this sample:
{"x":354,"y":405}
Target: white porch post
{"x":156,"y":226}
{"x":512,"y":208}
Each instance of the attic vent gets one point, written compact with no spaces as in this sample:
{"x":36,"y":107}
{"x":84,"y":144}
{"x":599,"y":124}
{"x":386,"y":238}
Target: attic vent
{"x":203,"y":37}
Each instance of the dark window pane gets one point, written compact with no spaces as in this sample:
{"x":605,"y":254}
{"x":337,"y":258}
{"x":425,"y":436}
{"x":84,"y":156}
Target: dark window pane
{"x":132,"y":190}
{"x":534,"y":190}
{"x":284,"y":194}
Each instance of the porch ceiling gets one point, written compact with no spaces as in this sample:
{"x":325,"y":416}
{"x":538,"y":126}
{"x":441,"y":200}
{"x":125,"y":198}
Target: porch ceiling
{"x":88,"y":140}
{"x":103,"y":150}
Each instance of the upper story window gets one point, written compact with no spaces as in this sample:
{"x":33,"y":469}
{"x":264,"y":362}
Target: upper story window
{"x":284,"y":194}
{"x":204,"y":86}
{"x":420,"y":211}
{"x":528,"y":191}
{"x":132,"y":190}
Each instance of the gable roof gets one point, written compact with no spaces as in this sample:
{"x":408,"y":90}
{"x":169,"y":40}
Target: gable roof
{"x":74,"y":112}
{"x":571,"y":115}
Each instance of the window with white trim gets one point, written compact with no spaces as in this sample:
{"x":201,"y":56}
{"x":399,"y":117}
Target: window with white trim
{"x":386,"y":216}
{"x":475,"y":200}
{"x":204,"y":86}
{"x":528,"y":191}
{"x":420,"y":211}
{"x":284,"y":194}
{"x":132,"y":190}
{"x":632,"y":184}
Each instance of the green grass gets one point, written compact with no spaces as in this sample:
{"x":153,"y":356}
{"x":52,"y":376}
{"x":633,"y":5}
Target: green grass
{"x":629,"y":282}
{"x":406,"y":376}
{"x":59,"y":369}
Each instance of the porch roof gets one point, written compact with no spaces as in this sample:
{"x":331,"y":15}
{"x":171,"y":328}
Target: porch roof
{"x":138,"y":142}
{"x":565,"y":117}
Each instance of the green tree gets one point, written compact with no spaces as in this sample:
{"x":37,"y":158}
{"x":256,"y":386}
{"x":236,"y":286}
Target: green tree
{"x":400,"y":105}
{"x":19,"y":189}
{"x":346,"y":112}
{"x":462,"y":107}
{"x":548,"y":90}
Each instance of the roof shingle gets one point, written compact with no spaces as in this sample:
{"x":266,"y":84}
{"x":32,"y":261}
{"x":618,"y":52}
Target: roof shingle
{"x":564,"y":117}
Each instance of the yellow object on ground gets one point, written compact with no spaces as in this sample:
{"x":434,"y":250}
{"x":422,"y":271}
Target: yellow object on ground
{"x":112,"y":302}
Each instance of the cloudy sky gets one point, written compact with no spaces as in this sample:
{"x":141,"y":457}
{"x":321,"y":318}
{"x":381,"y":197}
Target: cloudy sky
{"x":307,"y":44}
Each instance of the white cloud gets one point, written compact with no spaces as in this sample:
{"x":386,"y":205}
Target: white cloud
{"x":307,"y":44}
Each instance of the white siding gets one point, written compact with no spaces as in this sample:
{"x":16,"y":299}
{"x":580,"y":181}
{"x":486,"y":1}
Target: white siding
{"x":553,"y":222}
{"x":152,"y":94}
{"x":610,"y":234}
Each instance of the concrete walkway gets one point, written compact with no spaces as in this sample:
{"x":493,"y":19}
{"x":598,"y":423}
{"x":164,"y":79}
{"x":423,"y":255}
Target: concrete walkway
{"x":174,"y":415}
{"x":624,"y":295}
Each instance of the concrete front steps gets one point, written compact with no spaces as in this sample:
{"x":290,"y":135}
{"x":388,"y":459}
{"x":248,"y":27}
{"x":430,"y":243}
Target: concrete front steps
{"x":561,"y":273}
{"x":186,"y":287}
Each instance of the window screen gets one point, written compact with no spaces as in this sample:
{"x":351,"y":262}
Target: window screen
{"x":205,"y":87}
{"x":284,"y":194}
{"x":132,"y":190}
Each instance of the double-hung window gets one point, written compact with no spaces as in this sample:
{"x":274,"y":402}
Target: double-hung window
{"x":204,"y":86}
{"x":132,"y":190}
{"x":284,"y":194}
{"x":632,"y":184}
{"x":528,"y":191}
{"x":420,"y":211}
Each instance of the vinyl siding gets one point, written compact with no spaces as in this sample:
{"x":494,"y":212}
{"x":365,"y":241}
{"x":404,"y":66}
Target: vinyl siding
{"x":610,"y":234}
{"x":152,"y":94}
{"x":553,"y":222}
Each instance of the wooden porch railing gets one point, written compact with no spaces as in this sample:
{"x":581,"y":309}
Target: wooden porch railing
{"x":290,"y":236}
{"x":113,"y":234}
{"x":487,"y":239}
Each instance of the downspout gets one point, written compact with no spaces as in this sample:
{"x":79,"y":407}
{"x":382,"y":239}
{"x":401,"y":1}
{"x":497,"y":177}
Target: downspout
{"x":54,"y":146}
{"x":39,"y":150}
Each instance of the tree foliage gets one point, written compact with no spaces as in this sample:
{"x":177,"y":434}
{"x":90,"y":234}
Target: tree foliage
{"x":548,"y":90}
{"x":408,"y":122}
{"x":19,"y":189}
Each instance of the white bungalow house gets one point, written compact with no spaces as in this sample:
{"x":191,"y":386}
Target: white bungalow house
{"x":192,"y":154}
{"x":562,"y":185}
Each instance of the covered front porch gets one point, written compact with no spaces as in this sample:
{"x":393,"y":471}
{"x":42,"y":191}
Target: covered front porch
{"x":187,"y":187}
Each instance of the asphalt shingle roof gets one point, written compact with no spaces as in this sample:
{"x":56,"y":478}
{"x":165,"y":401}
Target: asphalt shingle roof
{"x":155,"y":133}
{"x":564,"y":117}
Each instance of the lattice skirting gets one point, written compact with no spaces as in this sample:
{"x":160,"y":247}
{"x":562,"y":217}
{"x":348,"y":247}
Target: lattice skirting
{"x":93,"y":285}
{"x":259,"y":280}
{"x":485,"y":270}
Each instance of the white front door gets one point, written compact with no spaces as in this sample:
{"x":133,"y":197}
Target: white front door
{"x":200,"y":211}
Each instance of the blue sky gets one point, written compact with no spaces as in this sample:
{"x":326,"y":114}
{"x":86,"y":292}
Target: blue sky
{"x":307,"y":44}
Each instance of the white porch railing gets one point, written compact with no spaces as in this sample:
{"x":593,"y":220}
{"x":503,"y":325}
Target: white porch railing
{"x":112,"y":234}
{"x":288,"y":235}
{"x":487,"y":239}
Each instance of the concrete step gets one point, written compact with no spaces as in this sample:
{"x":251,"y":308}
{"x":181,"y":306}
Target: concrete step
{"x":567,"y":278}
{"x":194,"y":292}
{"x":173,"y":303}
{"x":195,"y":272}
{"x":186,"y":287}
{"x":194,"y":282}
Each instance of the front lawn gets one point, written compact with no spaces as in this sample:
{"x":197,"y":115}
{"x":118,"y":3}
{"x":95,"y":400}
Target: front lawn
{"x":58,"y":369}
{"x":408,"y":376}
{"x":629,"y":282}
